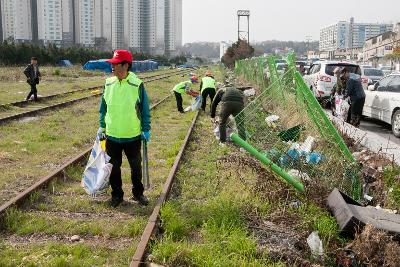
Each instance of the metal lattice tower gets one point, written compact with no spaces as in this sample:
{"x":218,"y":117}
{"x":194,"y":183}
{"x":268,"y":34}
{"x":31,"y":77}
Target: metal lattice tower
{"x":244,"y":34}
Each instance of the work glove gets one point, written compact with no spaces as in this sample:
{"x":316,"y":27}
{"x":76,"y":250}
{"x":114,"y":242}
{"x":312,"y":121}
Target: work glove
{"x":146,"y":136}
{"x":101,"y":134}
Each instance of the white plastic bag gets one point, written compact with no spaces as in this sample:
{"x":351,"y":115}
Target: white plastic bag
{"x":96,"y":177}
{"x":196,"y":104}
{"x":315,"y":244}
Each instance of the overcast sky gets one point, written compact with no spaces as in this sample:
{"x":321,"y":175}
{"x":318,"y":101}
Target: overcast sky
{"x":216,"y":20}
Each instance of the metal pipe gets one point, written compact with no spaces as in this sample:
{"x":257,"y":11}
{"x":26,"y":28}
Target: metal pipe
{"x":261,"y":157}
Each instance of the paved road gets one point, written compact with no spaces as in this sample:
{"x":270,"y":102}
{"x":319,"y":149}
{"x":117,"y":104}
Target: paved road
{"x":380,"y":128}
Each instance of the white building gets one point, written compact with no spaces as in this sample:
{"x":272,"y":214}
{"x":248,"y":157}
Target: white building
{"x":7,"y":17}
{"x":84,"y":23}
{"x":160,"y":27}
{"x":349,"y":35}
{"x":68,"y":16}
{"x":22,"y":21}
{"x":103,"y":23}
{"x":173,"y":26}
{"x":50,"y":21}
{"x":223,"y":46}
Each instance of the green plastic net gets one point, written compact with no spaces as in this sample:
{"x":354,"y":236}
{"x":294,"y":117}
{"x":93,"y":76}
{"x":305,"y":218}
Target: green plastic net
{"x":288,"y":125}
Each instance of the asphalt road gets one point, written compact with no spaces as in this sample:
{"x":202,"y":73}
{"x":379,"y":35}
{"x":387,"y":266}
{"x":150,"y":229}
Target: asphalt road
{"x":380,"y":128}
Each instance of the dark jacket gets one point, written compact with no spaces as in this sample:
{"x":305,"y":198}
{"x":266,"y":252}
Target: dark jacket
{"x":31,"y":75}
{"x":354,"y":89}
{"x":226,"y":95}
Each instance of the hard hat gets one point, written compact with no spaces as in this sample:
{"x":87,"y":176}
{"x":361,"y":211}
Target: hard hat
{"x":194,"y":79}
{"x":209,"y":73}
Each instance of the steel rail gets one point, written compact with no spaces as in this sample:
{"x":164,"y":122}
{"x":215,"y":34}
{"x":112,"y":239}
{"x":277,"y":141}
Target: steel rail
{"x":137,"y":259}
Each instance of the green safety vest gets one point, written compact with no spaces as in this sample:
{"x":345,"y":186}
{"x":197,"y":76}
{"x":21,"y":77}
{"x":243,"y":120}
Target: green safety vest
{"x":207,"y":82}
{"x":180,"y":87}
{"x":122,"y":98}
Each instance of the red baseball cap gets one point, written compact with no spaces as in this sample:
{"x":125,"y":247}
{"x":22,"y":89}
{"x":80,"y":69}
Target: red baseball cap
{"x":120,"y":56}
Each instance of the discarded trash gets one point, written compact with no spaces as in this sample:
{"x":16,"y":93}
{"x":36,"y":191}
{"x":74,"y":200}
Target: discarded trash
{"x":346,"y":258}
{"x":196,"y":104}
{"x":97,"y":172}
{"x":295,"y":204}
{"x":368,"y":198}
{"x":270,"y":120}
{"x":350,"y":215}
{"x":315,"y":244}
{"x":250,"y":92}
{"x":307,"y":145}
{"x":314,"y":158}
{"x":378,"y":207}
{"x":75,"y":238}
{"x":299,"y":175}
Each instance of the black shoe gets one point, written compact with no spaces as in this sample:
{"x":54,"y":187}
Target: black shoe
{"x":114,"y":202}
{"x":141,"y":199}
{"x":181,"y":111}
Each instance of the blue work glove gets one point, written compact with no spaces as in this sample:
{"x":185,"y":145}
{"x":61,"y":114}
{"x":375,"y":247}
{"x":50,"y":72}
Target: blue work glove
{"x":101,"y":134}
{"x":146,"y":136}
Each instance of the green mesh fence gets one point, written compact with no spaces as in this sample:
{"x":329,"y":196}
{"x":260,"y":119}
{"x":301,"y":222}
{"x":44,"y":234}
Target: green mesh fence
{"x":287,"y":124}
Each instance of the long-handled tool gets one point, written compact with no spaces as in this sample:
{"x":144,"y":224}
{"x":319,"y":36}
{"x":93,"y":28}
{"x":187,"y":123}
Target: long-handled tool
{"x":145,"y":167}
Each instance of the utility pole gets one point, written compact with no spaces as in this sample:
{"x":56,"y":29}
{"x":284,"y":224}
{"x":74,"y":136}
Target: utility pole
{"x":244,"y":35}
{"x":308,"y":39}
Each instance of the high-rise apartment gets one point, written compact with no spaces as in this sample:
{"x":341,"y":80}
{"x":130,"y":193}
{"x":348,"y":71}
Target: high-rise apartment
{"x":8,"y":19}
{"x":1,"y":24}
{"x":103,"y":25}
{"x":22,"y":21}
{"x":84,"y":23}
{"x":50,"y":21}
{"x":349,"y":35}
{"x":68,"y":22}
{"x":173,"y":26}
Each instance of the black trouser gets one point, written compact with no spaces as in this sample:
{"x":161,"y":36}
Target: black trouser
{"x":356,"y":109}
{"x":32,"y":92}
{"x":179,"y":101}
{"x":207,"y":92}
{"x":231,"y":108}
{"x":133,"y":153}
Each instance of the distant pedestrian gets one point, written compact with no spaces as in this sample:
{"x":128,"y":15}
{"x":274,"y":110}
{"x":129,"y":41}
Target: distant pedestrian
{"x":207,"y":88}
{"x":33,"y":76}
{"x":232,"y":104}
{"x":124,"y":122}
{"x":183,"y":88}
{"x":355,"y":92}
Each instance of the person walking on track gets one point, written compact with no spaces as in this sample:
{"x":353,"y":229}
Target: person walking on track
{"x":232,"y":104}
{"x":183,"y":87}
{"x":124,"y":122}
{"x":207,"y":88}
{"x":33,"y":76}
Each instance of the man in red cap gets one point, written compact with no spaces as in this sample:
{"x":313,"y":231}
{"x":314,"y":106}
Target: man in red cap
{"x":124,"y":122}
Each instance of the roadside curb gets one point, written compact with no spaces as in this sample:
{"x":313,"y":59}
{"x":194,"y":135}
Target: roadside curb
{"x":369,"y":140}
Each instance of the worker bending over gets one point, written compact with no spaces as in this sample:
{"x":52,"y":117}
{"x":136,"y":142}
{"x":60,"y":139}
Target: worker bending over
{"x":232,"y":104}
{"x":183,"y":87}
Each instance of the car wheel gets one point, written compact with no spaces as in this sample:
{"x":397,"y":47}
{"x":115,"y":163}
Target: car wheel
{"x":396,"y":123}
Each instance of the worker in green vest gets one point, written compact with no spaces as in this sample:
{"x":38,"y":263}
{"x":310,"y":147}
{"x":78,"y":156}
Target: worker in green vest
{"x":183,"y":88}
{"x":207,"y":88}
{"x":124,"y":122}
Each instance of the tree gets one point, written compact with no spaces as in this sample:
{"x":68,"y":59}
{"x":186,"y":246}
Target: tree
{"x":239,"y":50}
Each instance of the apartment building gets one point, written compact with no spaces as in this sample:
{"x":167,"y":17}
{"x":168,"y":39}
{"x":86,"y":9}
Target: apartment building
{"x":84,"y":22}
{"x":349,"y":35}
{"x":50,"y":21}
{"x":173,"y":26}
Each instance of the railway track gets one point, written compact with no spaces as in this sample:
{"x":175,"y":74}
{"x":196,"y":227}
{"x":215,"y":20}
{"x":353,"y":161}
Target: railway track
{"x":20,"y":109}
{"x":55,"y":218}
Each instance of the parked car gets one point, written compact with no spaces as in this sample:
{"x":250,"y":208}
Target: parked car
{"x":382,"y":101}
{"x":370,"y":75}
{"x":281,"y":68}
{"x":321,"y":79}
{"x":386,"y":69}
